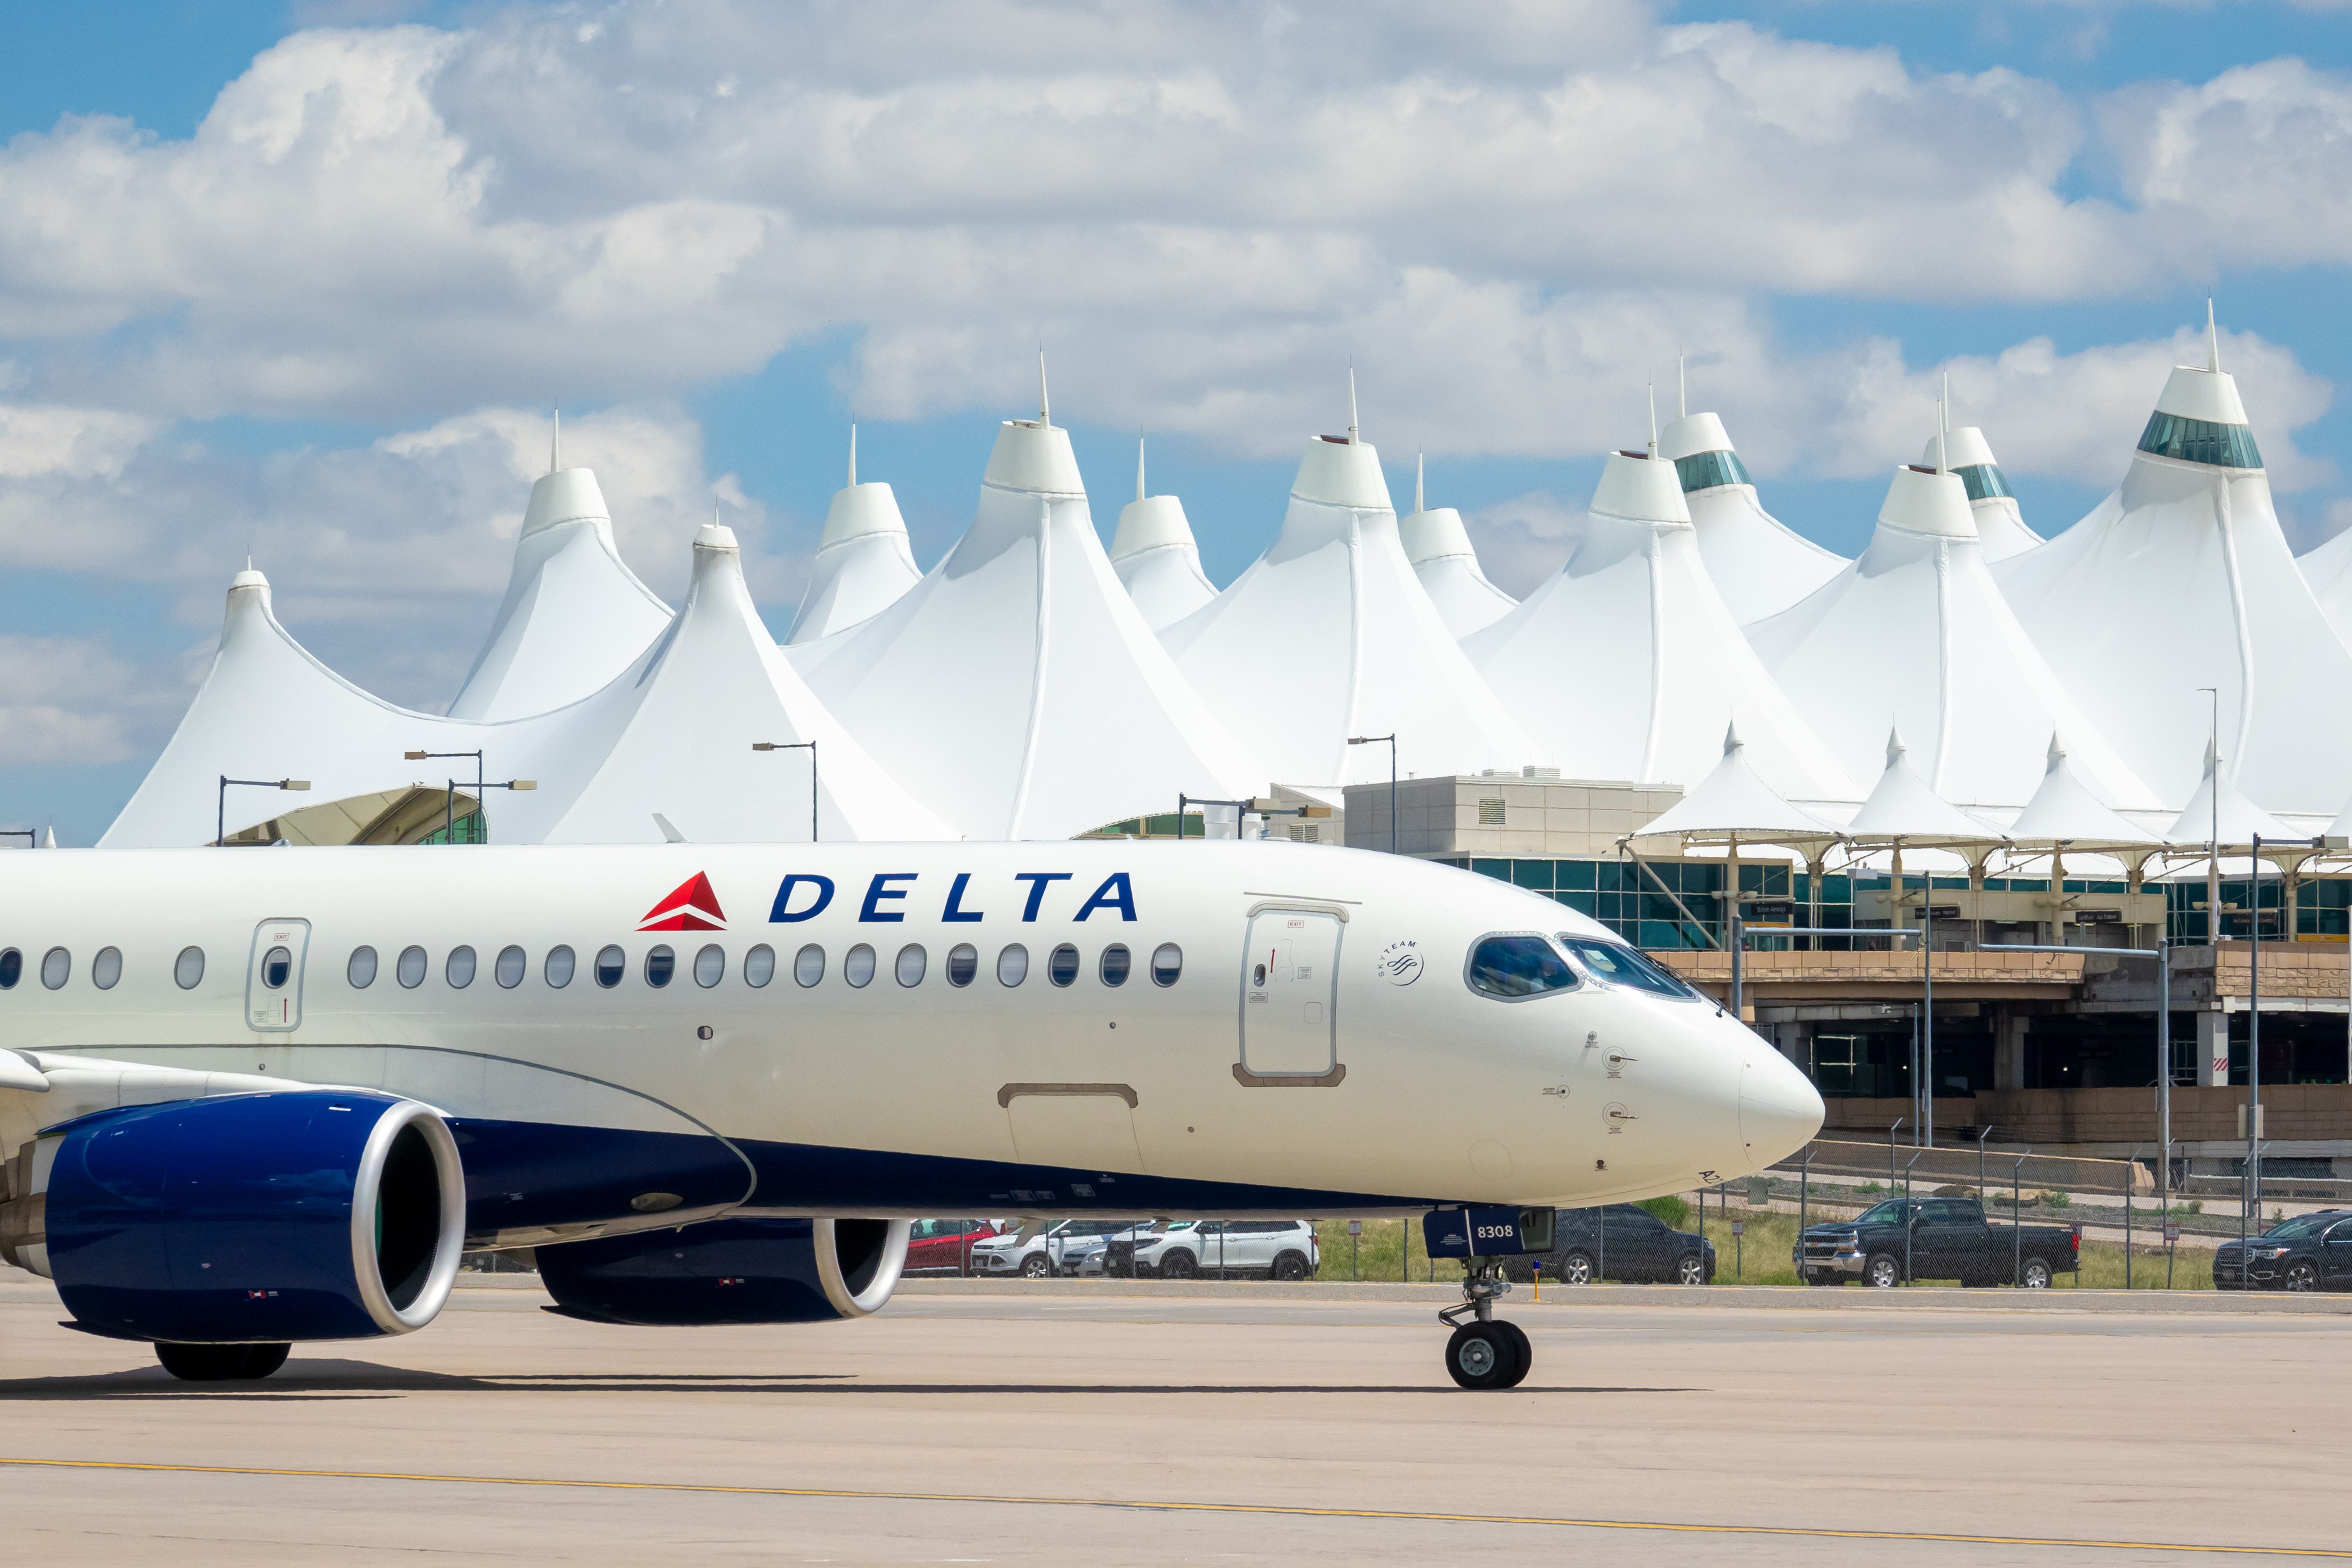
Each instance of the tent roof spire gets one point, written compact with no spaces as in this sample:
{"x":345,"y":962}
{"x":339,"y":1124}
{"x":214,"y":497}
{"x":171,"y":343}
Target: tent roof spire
{"x":1138,"y":466}
{"x":1045,"y":404}
{"x":2213,"y":340}
{"x":1353,"y":437}
{"x":555,"y":443}
{"x":1419,"y":471}
{"x":1653,"y":389}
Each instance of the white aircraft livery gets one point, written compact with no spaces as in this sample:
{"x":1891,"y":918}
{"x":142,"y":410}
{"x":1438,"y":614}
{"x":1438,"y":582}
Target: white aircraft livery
{"x":252,"y":1099}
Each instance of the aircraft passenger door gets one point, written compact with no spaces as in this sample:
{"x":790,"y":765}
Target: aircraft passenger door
{"x":1289,"y":990}
{"x":273,"y":978}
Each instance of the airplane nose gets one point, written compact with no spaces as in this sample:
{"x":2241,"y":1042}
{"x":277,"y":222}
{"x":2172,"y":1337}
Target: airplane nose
{"x":1779,"y":1110}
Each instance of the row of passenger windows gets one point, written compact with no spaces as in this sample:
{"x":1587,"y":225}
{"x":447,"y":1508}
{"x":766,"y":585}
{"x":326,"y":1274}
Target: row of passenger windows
{"x":1113,"y":966}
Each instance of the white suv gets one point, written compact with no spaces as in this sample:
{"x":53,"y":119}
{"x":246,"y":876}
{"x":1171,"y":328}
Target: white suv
{"x":1070,"y":1246}
{"x":1277,"y":1248}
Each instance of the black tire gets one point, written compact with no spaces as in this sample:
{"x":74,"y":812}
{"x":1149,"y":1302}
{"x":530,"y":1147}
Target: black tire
{"x":1035,"y":1267}
{"x":1576,"y":1268}
{"x":1290,"y":1267}
{"x":260,"y":1361}
{"x":1179,"y":1265}
{"x":1690,"y":1269}
{"x":1483,"y":1356}
{"x":2036,"y":1275}
{"x":2302,"y":1274}
{"x":1527,"y":1351}
{"x":219,"y":1364}
{"x":1883,"y":1271}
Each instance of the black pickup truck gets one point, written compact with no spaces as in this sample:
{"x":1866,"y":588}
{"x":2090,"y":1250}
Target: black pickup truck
{"x":1936,"y":1238}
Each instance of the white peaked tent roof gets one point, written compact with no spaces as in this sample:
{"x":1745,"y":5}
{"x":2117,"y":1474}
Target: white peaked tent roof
{"x":863,"y":563}
{"x":1156,"y":558}
{"x":686,"y":718}
{"x":1626,"y":664}
{"x":2238,"y":819}
{"x":1442,"y":558}
{"x":1901,"y":805}
{"x":2328,"y":571}
{"x":574,"y":615}
{"x":1760,"y":565}
{"x":2000,"y":523}
{"x":2064,"y":810}
{"x":269,"y":709}
{"x":1329,"y":635}
{"x":1015,"y":690}
{"x":2185,"y":566}
{"x":1916,"y":632}
{"x":1733,"y":800}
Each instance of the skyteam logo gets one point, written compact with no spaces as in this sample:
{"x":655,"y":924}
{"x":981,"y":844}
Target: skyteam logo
{"x":690,"y":906}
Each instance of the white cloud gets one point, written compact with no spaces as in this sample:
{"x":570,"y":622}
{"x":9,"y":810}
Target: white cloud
{"x":69,"y":700}
{"x":37,"y":441}
{"x":385,"y":225}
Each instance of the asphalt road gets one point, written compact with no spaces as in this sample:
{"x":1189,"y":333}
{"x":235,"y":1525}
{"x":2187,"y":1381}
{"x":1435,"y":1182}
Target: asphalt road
{"x":1107,"y":1428}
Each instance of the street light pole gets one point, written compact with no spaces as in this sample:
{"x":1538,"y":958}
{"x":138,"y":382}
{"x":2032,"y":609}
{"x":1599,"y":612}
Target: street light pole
{"x":481,"y":785}
{"x":220,"y":805}
{"x":1375,"y":741}
{"x":810,"y":747}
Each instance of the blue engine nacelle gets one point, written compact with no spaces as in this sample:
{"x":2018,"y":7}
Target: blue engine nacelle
{"x":254,"y":1218}
{"x":729,"y":1271}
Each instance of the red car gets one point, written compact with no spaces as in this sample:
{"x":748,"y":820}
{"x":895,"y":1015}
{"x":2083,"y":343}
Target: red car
{"x":944,"y":1245}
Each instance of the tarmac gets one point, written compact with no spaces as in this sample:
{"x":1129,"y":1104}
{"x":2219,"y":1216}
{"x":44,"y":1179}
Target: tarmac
{"x":1108,"y":1422}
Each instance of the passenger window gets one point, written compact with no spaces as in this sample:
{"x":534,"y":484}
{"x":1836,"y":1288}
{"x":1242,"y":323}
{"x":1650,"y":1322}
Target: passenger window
{"x":912,"y":961}
{"x":1514,"y":968}
{"x":557,"y":970}
{"x":1062,"y":964}
{"x":410,"y":971}
{"x":1013,"y":965}
{"x":1167,"y":964}
{"x":660,"y":964}
{"x":106,"y":968}
{"x":12,"y":968}
{"x":963,"y":964}
{"x":857,"y":966}
{"x":759,"y":966}
{"x":611,"y":965}
{"x":808,"y":965}
{"x":460,"y":969}
{"x":1116,"y":962}
{"x":510,"y":967}
{"x":278,"y":968}
{"x":187,"y":970}
{"x":710,"y":966}
{"x":56,"y":968}
{"x":359,"y":970}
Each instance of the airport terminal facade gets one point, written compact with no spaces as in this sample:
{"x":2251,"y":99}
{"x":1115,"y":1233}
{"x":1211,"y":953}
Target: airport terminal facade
{"x":2015,"y":759}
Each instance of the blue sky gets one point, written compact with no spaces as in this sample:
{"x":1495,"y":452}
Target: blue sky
{"x":324,"y":270}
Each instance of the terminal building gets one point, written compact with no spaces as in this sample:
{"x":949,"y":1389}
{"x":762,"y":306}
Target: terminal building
{"x":1702,"y":729}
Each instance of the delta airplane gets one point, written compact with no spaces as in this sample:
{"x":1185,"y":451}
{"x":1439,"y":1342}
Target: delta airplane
{"x":249,"y":1099}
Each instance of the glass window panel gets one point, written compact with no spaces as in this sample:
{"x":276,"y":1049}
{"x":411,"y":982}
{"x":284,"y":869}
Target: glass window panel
{"x":510,"y":968}
{"x":808,"y":965}
{"x":187,"y":970}
{"x":557,"y":970}
{"x":1513,"y":967}
{"x":661,"y":964}
{"x":759,"y":966}
{"x":1532,"y":874}
{"x":710,"y":965}
{"x":1709,"y":470}
{"x":359,"y":970}
{"x":459,"y":970}
{"x":857,"y":966}
{"x":1116,"y":964}
{"x":2199,"y":441}
{"x":912,"y":961}
{"x":410,"y":971}
{"x":1062,"y":965}
{"x":1167,"y":964}
{"x":611,"y":963}
{"x":1013,"y":965}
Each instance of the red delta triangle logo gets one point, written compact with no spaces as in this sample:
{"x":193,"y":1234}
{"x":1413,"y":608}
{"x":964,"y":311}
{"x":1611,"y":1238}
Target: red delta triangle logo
{"x":690,"y":906}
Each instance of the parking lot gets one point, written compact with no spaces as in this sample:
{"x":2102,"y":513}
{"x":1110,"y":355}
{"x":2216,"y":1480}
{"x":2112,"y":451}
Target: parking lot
{"x":1106,"y":1423}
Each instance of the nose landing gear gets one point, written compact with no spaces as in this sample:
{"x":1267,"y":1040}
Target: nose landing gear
{"x":1486,"y":1352}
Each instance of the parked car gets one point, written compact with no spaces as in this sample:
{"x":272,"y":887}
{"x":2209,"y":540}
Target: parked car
{"x":1067,"y":1246}
{"x":1617,"y":1241}
{"x":1186,"y":1249}
{"x":1934,"y":1238}
{"x":944,"y":1245}
{"x":2309,"y":1252}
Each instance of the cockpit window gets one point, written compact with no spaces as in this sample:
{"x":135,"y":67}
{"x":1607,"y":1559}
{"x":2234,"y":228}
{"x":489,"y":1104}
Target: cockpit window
{"x":1514,"y":968}
{"x":1618,"y":964}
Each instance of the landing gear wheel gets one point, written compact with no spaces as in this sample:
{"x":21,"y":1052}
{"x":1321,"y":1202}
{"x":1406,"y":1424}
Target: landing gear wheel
{"x":1484,"y":1355}
{"x":220,"y":1363}
{"x":1527,"y":1351}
